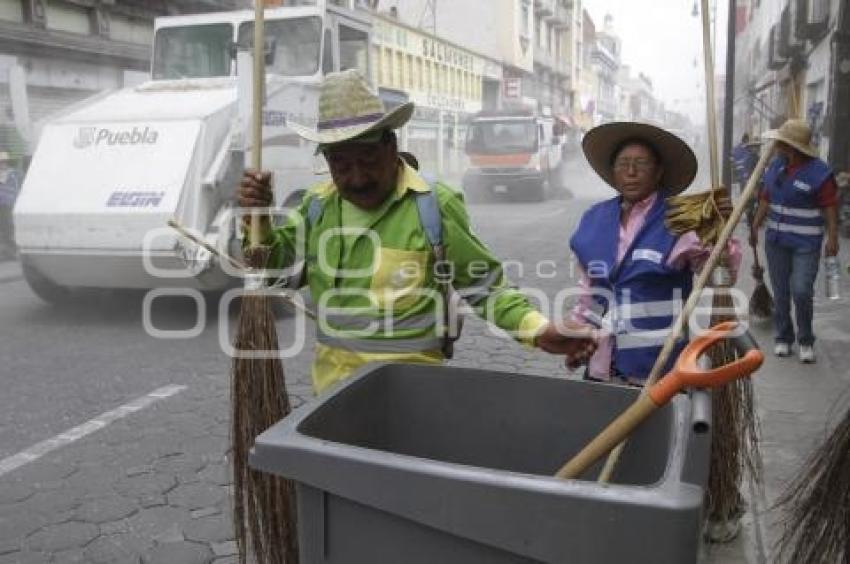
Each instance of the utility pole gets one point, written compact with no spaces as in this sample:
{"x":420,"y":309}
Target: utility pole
{"x":729,"y":105}
{"x":428,"y":20}
{"x":839,"y":100}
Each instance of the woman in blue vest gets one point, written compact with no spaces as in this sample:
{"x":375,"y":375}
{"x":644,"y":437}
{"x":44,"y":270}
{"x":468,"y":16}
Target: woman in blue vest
{"x":636,"y":274}
{"x":799,"y":199}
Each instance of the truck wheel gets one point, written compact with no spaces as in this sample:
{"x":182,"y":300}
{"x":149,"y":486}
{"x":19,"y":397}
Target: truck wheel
{"x":537,"y":191}
{"x":43,"y":287}
{"x":474,"y":193}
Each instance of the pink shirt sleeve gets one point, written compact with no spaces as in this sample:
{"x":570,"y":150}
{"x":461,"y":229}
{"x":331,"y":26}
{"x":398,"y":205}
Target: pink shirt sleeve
{"x":689,"y":253}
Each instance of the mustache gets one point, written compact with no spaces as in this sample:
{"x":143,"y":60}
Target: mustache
{"x":360,"y":188}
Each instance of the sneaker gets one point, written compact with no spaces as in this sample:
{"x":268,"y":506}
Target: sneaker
{"x":783,"y":350}
{"x":807,"y":354}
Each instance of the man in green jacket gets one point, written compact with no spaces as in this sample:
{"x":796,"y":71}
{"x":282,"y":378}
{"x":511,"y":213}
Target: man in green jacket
{"x":378,"y":279}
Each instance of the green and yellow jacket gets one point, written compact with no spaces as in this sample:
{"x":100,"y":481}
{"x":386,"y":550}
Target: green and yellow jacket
{"x":372,"y":279}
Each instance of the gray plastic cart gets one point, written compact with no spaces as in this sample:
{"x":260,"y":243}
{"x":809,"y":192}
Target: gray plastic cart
{"x":416,"y":464}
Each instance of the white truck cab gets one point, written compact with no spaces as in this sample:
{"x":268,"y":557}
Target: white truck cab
{"x":109,"y":173}
{"x":514,"y":152}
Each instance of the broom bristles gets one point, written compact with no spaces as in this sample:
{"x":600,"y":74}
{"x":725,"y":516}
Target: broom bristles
{"x":735,"y":432}
{"x":734,"y":440}
{"x":263,"y":504}
{"x":817,"y":504}
{"x":761,"y":302}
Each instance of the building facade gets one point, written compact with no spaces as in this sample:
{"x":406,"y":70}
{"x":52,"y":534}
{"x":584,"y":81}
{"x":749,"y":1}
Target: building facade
{"x":532,"y":40}
{"x":445,"y":80}
{"x":605,"y":59}
{"x":551,"y":82}
{"x":792,"y":60}
{"x":62,"y":51}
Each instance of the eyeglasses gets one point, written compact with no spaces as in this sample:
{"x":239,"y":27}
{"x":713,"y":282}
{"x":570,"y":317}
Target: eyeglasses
{"x":641,"y":165}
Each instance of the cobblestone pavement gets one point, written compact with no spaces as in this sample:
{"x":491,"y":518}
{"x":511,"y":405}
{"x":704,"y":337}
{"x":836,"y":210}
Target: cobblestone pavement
{"x":153,"y":486}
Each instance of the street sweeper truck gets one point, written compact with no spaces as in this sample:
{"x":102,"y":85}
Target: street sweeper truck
{"x":108,"y":174}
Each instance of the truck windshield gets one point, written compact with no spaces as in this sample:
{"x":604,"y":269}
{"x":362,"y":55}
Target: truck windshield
{"x":501,"y":136}
{"x":196,"y":51}
{"x":297,"y":44}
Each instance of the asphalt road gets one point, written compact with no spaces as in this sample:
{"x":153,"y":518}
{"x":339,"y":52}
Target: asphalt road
{"x":161,"y":468}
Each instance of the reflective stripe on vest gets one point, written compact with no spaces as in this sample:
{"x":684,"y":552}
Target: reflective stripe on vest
{"x":350,"y":322}
{"x":642,"y":339}
{"x":805,"y":213}
{"x":810,"y":230}
{"x":644,"y":310}
{"x":380,"y":345}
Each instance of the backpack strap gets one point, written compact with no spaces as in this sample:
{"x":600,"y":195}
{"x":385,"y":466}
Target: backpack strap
{"x":430,"y":216}
{"x":431,"y":219}
{"x":314,"y":210}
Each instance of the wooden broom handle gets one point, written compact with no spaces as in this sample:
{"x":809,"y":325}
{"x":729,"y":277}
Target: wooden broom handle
{"x":612,"y":436}
{"x":700,"y":284}
{"x":687,"y":373}
{"x":259,"y":83}
{"x":711,"y":111}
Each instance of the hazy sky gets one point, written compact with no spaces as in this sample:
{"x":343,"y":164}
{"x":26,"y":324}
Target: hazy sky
{"x":662,"y":39}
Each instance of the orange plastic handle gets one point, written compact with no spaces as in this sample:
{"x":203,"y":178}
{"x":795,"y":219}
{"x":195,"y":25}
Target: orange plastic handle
{"x":687,"y":372}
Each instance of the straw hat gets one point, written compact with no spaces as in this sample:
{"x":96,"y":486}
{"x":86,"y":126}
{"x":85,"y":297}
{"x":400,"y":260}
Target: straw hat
{"x":348,"y":108}
{"x":678,"y":160}
{"x":797,"y":134}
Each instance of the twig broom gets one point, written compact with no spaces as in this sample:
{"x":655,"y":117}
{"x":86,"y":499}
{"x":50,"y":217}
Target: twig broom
{"x":734,"y":439}
{"x":263,"y":504}
{"x":817,"y":522}
{"x":761,"y":302}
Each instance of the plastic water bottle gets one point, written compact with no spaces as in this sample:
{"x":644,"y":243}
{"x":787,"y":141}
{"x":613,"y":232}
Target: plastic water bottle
{"x":833,"y":278}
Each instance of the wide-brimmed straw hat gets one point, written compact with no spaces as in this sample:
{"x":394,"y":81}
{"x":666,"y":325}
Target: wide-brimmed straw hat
{"x":677,"y":159}
{"x":797,"y":134}
{"x":349,"y":109}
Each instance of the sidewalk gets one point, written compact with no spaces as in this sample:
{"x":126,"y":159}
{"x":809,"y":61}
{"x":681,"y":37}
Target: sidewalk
{"x":798,"y":405}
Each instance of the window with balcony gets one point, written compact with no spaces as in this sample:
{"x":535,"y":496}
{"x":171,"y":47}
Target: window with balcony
{"x":131,"y":30}
{"x":68,"y":17}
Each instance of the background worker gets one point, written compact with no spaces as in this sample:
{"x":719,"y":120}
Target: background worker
{"x":744,"y":159}
{"x":379,"y":272}
{"x":799,"y":200}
